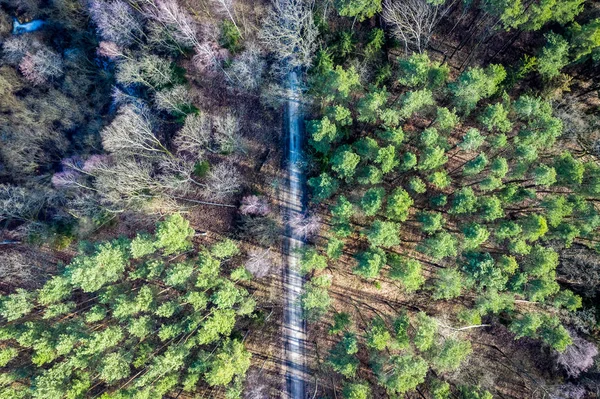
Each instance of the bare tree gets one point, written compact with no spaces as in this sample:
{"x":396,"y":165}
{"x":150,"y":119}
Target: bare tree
{"x":41,"y":66}
{"x":255,"y":206}
{"x":222,"y":181}
{"x":247,"y":69}
{"x":116,"y":21}
{"x":150,"y":70}
{"x":131,"y":133}
{"x":23,"y":204}
{"x":175,"y":100}
{"x":578,"y":357}
{"x":413,"y":21}
{"x":14,"y":48}
{"x":178,"y":23}
{"x":227,"y":133}
{"x":305,"y":226}
{"x":194,"y":136}
{"x":109,"y":50}
{"x":290,"y":32}
{"x":226,"y":7}
{"x":260,"y":262}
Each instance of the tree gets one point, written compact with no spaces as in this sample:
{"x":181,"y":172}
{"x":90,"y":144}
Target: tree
{"x":585,"y":40}
{"x":344,"y":162}
{"x":315,"y":299}
{"x":399,"y":203}
{"x":451,"y":354}
{"x":372,"y":201}
{"x":356,"y":391}
{"x":310,"y":260}
{"x":231,"y":360}
{"x":323,"y":133}
{"x":475,"y":235}
{"x":439,"y":246}
{"x":42,"y":66}
{"x":116,"y":21}
{"x":360,"y":9}
{"x":464,"y":201}
{"x":174,"y":235}
{"x":383,"y":234}
{"x":476,"y":84}
{"x":370,"y":263}
{"x":553,"y":56}
{"x":577,"y":357}
{"x":341,"y":357}
{"x":448,"y":284}
{"x":415,"y":101}
{"x":378,"y":337}
{"x":408,"y":271}
{"x":323,"y":186}
{"x":495,"y":116}
{"x":431,"y":222}
{"x":413,"y":21}
{"x":290,"y":32}
{"x":402,"y":374}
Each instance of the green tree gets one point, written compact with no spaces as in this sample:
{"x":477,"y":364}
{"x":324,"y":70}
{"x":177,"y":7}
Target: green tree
{"x":495,"y":116}
{"x":448,"y":284}
{"x":403,"y":374}
{"x":378,"y":337}
{"x":553,"y":56}
{"x":399,"y":203}
{"x":431,"y":222}
{"x":174,"y":235}
{"x":370,"y":263}
{"x":372,"y":201}
{"x":451,"y":354}
{"x":439,"y":246}
{"x":425,"y":330}
{"x":408,"y":271}
{"x":476,"y":84}
{"x":231,"y":360}
{"x":360,"y":9}
{"x":383,"y":234}
{"x":323,"y":186}
{"x":344,"y":162}
{"x":311,"y":260}
{"x":356,"y":390}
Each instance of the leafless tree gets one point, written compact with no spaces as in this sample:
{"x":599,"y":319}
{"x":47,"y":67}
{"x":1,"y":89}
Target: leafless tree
{"x":116,"y":21}
{"x":227,"y":133}
{"x":178,"y":23}
{"x":19,"y":203}
{"x":222,"y":181}
{"x":255,"y":206}
{"x":208,"y":58}
{"x":41,"y":66}
{"x":127,"y":184}
{"x":578,"y":357}
{"x":194,"y":136}
{"x":21,"y":269}
{"x":14,"y":48}
{"x":131,"y":133}
{"x":304,"y":225}
{"x":226,"y":7}
{"x":261,"y":230}
{"x":256,"y":385}
{"x":247,"y":69}
{"x":413,"y":21}
{"x":568,"y":391}
{"x":260,"y":262}
{"x":290,"y":32}
{"x":150,"y":70}
{"x":175,"y":100}
{"x":109,"y":50}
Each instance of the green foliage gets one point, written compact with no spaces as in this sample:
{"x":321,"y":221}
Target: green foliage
{"x":383,"y":234}
{"x":224,"y":249}
{"x":476,"y":84}
{"x":357,"y":391}
{"x":451,"y":354}
{"x":431,"y":222}
{"x":372,"y":201}
{"x":341,"y":357}
{"x":585,"y":40}
{"x":323,"y":187}
{"x":553,"y":56}
{"x":404,"y":374}
{"x":360,"y":9}
{"x":231,"y":38}
{"x":378,"y":337}
{"x":344,"y":162}
{"x":415,"y":101}
{"x":495,"y":117}
{"x":439,"y":246}
{"x":129,"y":317}
{"x":408,"y":271}
{"x":174,"y":235}
{"x":315,"y":299}
{"x":448,"y":284}
{"x":341,"y":323}
{"x":311,"y":260}
{"x":399,"y":203}
{"x":425,"y":330}
{"x":370,"y":263}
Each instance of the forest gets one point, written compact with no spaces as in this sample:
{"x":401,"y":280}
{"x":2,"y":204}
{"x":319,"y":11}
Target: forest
{"x":417,"y":181}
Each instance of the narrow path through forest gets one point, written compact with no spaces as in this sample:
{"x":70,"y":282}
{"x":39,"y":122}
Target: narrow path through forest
{"x":294,"y":332}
